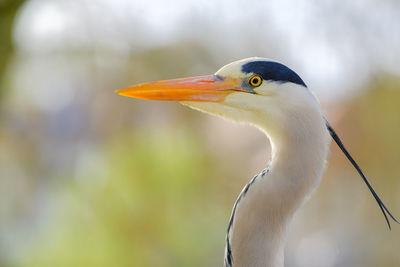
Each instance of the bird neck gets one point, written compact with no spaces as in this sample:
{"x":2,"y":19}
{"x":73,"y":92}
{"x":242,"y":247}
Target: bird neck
{"x":263,"y":211}
{"x":297,"y":165}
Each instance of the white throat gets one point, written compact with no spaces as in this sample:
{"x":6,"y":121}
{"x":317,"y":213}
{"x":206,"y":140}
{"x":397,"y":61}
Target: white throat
{"x":266,"y":205}
{"x":293,"y":120}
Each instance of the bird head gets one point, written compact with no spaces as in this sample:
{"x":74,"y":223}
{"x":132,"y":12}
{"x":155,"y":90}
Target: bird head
{"x":259,"y":91}
{"x":253,"y":90}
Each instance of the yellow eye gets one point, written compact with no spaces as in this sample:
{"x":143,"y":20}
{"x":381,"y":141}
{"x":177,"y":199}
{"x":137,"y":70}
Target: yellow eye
{"x":255,"y":81}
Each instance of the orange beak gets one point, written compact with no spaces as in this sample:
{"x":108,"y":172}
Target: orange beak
{"x":210,"y":88}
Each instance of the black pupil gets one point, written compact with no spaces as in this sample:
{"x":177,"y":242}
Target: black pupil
{"x":255,"y":80}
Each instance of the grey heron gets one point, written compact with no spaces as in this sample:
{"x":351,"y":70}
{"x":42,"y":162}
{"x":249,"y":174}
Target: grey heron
{"x":272,"y":97}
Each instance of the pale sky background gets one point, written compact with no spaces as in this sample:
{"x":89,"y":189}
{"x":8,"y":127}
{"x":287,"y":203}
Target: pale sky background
{"x":334,"y":46}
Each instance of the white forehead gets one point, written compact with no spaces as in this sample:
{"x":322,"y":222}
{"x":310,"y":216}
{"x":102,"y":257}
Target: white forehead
{"x":234,"y":69}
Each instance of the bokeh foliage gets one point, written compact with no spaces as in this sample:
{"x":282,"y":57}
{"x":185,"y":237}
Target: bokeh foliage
{"x":101,"y":180}
{"x":142,"y":202}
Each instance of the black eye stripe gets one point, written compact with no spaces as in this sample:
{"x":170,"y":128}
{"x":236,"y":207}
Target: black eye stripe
{"x":272,"y":71}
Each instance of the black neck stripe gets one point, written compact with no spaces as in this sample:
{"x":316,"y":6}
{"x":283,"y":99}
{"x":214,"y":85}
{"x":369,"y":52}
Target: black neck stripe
{"x":273,"y":71}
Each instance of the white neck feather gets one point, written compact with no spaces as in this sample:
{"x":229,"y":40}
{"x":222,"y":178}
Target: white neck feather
{"x":262,"y":213}
{"x":292,"y":119}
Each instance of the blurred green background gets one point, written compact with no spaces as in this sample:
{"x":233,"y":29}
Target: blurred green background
{"x":90,"y":178}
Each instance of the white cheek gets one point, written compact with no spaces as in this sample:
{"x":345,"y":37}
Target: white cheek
{"x":242,"y":101}
{"x":267,"y":88}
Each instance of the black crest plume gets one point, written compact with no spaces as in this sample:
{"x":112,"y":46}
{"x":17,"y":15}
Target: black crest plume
{"x":354,"y":163}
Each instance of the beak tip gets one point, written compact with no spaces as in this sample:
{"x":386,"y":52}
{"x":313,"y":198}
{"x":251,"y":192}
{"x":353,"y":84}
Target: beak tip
{"x":120,"y":92}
